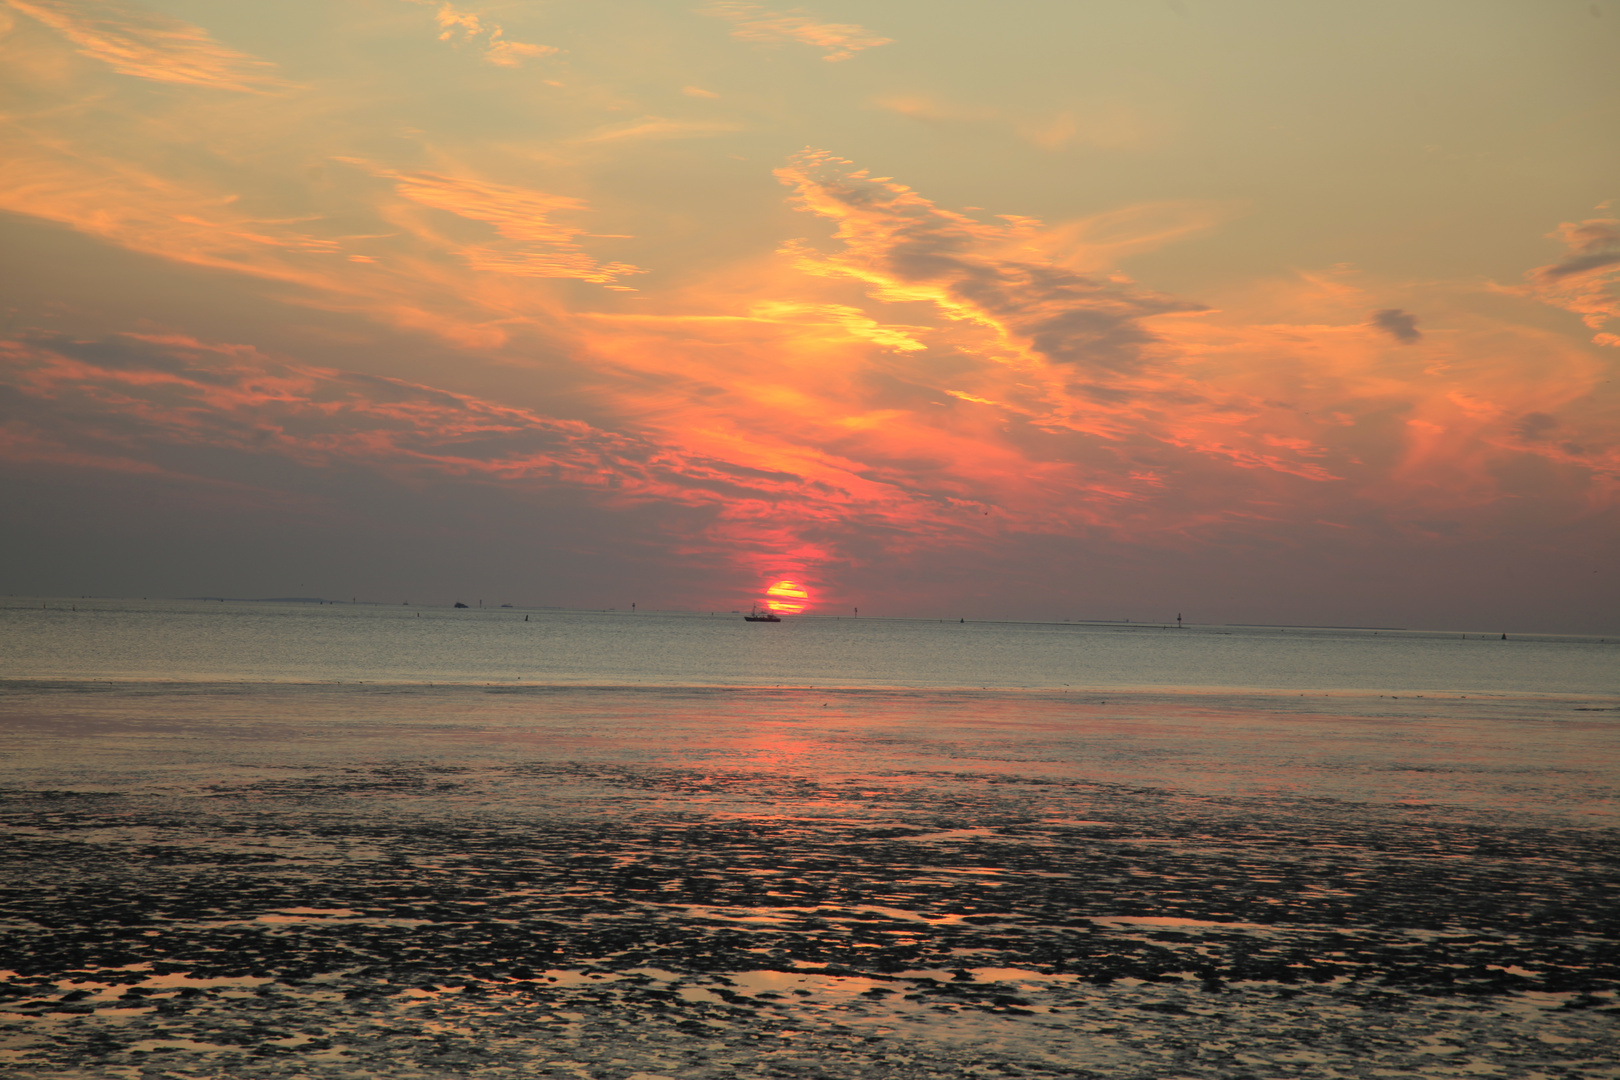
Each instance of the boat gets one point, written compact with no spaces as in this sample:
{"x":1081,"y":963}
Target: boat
{"x":757,"y":615}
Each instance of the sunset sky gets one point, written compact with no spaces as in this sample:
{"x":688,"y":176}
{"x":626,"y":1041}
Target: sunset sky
{"x":1248,"y":310}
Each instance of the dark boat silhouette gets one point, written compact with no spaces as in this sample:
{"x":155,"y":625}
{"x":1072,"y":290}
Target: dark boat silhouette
{"x":757,"y":615}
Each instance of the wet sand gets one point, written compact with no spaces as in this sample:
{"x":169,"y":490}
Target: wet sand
{"x":465,"y":883}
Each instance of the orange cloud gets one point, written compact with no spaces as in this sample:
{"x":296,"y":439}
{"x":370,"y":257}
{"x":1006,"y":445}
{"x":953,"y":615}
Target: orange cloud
{"x":406,"y":275}
{"x":518,"y":214}
{"x":1104,"y":124}
{"x":144,"y":210}
{"x":455,"y":24}
{"x":108,"y":170}
{"x":1012,"y":304}
{"x":142,"y":391}
{"x":1098,"y":242}
{"x":1040,"y":399}
{"x":755,"y":23}
{"x":503,"y":53}
{"x":658,"y":127}
{"x":1587,"y":279}
{"x":151,"y":46}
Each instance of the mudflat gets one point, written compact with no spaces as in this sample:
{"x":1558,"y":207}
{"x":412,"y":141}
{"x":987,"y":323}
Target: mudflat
{"x":483,"y":882}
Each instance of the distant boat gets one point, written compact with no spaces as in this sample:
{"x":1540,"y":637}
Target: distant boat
{"x":460,"y":604}
{"x":757,"y":615}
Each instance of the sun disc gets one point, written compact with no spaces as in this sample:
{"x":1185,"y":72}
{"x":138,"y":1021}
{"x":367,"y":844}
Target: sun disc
{"x":787,"y":597}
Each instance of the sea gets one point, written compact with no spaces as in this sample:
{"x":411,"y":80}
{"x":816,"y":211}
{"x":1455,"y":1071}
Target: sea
{"x":265,"y":838}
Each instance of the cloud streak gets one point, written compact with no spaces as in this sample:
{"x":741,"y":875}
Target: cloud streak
{"x":1586,"y":280}
{"x":1102,"y":125}
{"x":658,"y":127}
{"x":150,"y":46}
{"x":460,"y":27}
{"x":902,"y":246}
{"x":754,"y":23}
{"x":86,"y":403}
{"x":1075,"y":340}
{"x":545,"y":248}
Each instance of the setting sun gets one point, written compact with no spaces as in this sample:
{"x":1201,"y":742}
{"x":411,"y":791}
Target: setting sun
{"x":787,"y":597}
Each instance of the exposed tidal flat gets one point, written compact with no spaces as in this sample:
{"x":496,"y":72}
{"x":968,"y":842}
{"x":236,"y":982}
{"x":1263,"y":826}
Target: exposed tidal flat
{"x":254,"y":868}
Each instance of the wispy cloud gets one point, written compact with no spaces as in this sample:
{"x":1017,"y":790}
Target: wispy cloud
{"x":518,"y":214}
{"x":147,"y":45}
{"x":458,"y":26}
{"x":1586,"y":280}
{"x":903,"y":246}
{"x":514,"y":53}
{"x":936,"y":110}
{"x":126,"y":397}
{"x":658,"y":127}
{"x":755,"y":23}
{"x":1051,"y":349}
{"x":136,"y":207}
{"x":1102,"y":125}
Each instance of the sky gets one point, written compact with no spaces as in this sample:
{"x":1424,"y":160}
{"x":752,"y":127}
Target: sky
{"x":1252,"y":311}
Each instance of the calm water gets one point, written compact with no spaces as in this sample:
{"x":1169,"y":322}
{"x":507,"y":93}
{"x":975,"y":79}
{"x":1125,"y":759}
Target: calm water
{"x":264,"y":642}
{"x":134,"y":693}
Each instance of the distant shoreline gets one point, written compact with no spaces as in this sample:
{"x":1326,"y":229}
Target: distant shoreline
{"x":64,"y":602}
